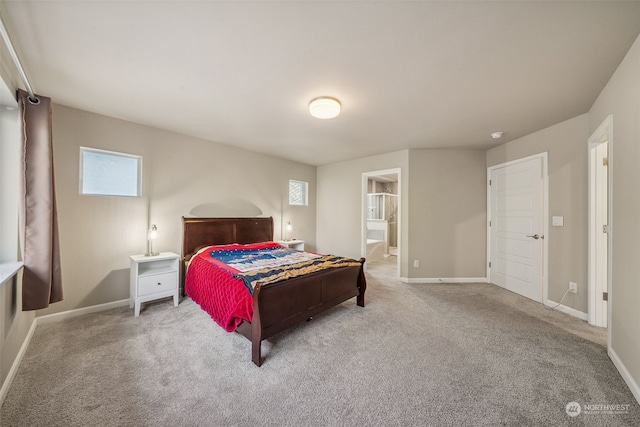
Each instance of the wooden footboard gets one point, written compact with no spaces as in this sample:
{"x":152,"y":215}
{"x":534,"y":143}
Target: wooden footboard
{"x":278,"y":306}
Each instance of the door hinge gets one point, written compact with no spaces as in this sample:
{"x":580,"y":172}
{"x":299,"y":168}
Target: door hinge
{"x":489,"y":182}
{"x":605,"y":296}
{"x":489,"y":264}
{"x":605,"y":228}
{"x":489,"y":223}
{"x":605,"y":161}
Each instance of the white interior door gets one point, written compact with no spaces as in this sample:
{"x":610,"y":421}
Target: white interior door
{"x":602,"y":221}
{"x":598,"y":236}
{"x":516,"y":228}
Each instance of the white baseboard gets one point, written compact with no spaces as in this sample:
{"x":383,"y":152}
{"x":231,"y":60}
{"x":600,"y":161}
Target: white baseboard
{"x":50,"y":318}
{"x":16,"y":363}
{"x":444,"y":280}
{"x":56,"y":317}
{"x":568,"y":310}
{"x":626,"y":376}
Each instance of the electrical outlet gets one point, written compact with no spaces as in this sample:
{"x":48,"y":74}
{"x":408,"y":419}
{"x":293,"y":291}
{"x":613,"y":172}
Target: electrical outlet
{"x":416,"y":263}
{"x":573,"y":287}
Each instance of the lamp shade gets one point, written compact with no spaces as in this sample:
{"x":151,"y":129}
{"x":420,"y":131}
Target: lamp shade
{"x":153,"y":233}
{"x":324,"y":107}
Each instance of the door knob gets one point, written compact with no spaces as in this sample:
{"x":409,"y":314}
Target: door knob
{"x":535,"y":236}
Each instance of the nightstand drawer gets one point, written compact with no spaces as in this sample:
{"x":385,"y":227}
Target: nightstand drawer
{"x":157,"y":283}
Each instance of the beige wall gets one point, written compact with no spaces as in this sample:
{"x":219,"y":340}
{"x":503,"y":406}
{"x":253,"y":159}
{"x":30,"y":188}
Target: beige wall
{"x":566,"y":145}
{"x":99,"y":233}
{"x":340,"y":203}
{"x":621,"y":98}
{"x":433,"y":184}
{"x":447,"y":213}
{"x":14,"y":323}
{"x":10,"y":156}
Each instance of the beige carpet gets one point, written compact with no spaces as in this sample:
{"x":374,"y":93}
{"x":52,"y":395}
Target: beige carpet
{"x":418,"y":354}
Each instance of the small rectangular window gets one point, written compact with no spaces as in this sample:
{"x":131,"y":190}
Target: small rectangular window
{"x":298,"y":193}
{"x":107,"y":173}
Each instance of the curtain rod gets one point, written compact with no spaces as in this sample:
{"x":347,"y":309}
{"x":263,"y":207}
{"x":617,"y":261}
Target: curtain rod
{"x":7,"y":41}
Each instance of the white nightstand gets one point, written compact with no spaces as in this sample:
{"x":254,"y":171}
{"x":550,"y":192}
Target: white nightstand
{"x":153,"y":277}
{"x":293,"y":244}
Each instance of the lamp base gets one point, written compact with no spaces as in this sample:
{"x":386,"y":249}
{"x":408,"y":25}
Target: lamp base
{"x":150,"y":247}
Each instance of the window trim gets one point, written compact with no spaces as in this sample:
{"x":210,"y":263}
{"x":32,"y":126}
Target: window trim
{"x":305,"y":185}
{"x":138,"y":158}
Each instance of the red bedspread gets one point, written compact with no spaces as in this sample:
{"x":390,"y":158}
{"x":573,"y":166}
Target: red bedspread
{"x":227,"y":300}
{"x":223,"y":284}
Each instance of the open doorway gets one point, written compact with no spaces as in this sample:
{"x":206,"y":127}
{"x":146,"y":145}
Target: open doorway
{"x":599,"y":273}
{"x":381,"y":220}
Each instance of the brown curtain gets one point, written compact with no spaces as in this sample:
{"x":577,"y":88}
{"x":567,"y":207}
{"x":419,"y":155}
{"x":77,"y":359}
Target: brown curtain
{"x":42,"y":280}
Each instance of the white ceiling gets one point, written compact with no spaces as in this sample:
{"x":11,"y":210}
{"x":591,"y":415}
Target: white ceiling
{"x":408,"y":74}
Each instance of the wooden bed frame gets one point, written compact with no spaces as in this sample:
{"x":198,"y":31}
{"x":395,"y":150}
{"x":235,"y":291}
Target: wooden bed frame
{"x":280,"y":305}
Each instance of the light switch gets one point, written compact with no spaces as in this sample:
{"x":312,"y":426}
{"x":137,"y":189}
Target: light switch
{"x":557,"y":221}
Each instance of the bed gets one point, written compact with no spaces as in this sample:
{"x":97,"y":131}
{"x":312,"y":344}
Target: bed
{"x":273,"y":307}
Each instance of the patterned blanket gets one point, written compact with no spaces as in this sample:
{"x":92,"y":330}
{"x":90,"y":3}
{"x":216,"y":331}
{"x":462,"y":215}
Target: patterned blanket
{"x":271,"y":275}
{"x":244,"y":259}
{"x":273,"y":264}
{"x":221,"y":290}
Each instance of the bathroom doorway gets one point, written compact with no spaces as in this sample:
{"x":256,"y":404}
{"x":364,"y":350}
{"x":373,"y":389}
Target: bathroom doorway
{"x":381,"y":220}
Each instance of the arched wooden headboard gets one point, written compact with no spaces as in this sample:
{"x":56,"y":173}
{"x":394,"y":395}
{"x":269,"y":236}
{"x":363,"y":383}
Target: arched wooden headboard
{"x":200,"y":232}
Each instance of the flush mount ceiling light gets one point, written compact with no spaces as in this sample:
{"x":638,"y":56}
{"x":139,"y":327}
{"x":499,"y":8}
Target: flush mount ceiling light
{"x":496,"y":135}
{"x":324,"y":107}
